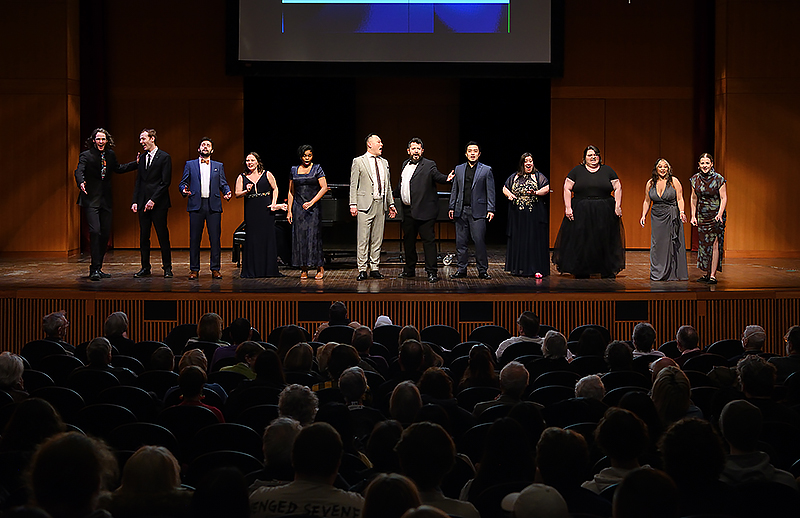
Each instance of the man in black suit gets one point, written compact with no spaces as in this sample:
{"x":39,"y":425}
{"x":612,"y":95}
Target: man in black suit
{"x":418,"y":194}
{"x":151,"y":200}
{"x":93,"y":176}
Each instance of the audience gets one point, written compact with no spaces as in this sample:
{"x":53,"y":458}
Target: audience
{"x":299,"y":403}
{"x":209,"y":329}
{"x":316,"y":455}
{"x":99,"y":354}
{"x":427,"y":453}
{"x":757,"y":378}
{"x":290,"y":336}
{"x":55,"y":327}
{"x":162,"y":359}
{"x":480,"y":371}
{"x":337,"y":316}
{"x":646,"y":492}
{"x":696,"y":467}
{"x":151,"y":486}
{"x":191,"y":382}
{"x":536,"y":501}
{"x":277,"y":443}
{"x":507,"y":457}
{"x":562,"y":460}
{"x":513,"y":382}
{"x":390,"y":495}
{"x":197,"y":358}
{"x":116,"y":330}
{"x":527,"y":331}
{"x":591,"y":343}
{"x":240,"y":331}
{"x":11,"y":369}
{"x":740,"y":424}
{"x":672,"y":396}
{"x":644,"y":338}
{"x":623,"y":438}
{"x":68,"y":473}
{"x":789,"y":364}
{"x":246,"y":354}
{"x":687,"y":344}
{"x":618,"y":356}
{"x":694,"y":459}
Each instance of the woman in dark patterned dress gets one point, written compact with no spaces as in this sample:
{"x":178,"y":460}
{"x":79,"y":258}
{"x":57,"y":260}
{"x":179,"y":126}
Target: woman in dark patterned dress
{"x":260,"y":254}
{"x":528,"y":248}
{"x":709,"y":199}
{"x":667,"y":245}
{"x":306,"y":188}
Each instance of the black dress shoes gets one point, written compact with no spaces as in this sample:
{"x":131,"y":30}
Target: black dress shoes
{"x":458,"y":275}
{"x":103,"y":275}
{"x":375,"y":274}
{"x":484,"y":275}
{"x":144,"y":272}
{"x":407,"y":275}
{"x":94,"y":275}
{"x":168,"y":272}
{"x":362,"y":276}
{"x":432,"y":277}
{"x":703,"y":279}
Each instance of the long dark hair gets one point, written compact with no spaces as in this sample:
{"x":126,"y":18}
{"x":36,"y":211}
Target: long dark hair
{"x":109,"y":139}
{"x":259,"y":167}
{"x":654,"y":177}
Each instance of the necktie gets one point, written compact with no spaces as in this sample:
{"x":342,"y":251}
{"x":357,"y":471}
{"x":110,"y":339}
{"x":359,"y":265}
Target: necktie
{"x":103,"y":165}
{"x":205,"y":161}
{"x":149,"y":160}
{"x":377,"y":174}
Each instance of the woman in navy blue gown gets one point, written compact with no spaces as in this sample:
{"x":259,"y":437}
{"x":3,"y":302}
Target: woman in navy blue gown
{"x":306,"y":188}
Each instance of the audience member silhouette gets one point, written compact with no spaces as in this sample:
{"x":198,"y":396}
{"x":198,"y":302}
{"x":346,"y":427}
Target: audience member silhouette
{"x":427,"y":453}
{"x":299,"y":403}
{"x":316,"y":455}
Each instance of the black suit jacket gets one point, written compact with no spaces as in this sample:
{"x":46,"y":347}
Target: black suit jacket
{"x":152,"y":183}
{"x":98,"y":190}
{"x":424,"y":196}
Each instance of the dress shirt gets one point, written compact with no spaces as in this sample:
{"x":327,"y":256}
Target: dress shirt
{"x":205,"y":179}
{"x":151,"y":155}
{"x":405,"y":182}
{"x":377,"y":194}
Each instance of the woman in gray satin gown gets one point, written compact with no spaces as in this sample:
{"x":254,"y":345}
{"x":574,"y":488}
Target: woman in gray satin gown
{"x":663,"y":197}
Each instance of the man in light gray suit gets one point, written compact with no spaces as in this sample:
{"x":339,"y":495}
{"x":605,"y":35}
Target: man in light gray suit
{"x":471,"y":206}
{"x":370,"y":198}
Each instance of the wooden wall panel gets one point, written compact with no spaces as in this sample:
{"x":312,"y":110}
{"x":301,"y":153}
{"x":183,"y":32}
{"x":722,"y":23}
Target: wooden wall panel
{"x":757,"y":120}
{"x":716,"y":317}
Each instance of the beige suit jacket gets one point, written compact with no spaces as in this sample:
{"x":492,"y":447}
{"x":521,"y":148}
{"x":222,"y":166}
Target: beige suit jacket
{"x":362,"y":183}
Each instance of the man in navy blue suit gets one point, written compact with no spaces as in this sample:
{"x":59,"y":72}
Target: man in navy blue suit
{"x":203,"y":181}
{"x":471,"y":205}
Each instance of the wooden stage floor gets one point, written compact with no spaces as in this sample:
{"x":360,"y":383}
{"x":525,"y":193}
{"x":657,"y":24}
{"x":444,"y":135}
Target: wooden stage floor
{"x":739,"y":275}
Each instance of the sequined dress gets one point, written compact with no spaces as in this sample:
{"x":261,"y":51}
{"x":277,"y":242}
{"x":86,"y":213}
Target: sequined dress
{"x":528,"y":228}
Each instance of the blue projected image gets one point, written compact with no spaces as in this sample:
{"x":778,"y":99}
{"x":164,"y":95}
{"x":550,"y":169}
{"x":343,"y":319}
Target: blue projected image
{"x":394,"y":16}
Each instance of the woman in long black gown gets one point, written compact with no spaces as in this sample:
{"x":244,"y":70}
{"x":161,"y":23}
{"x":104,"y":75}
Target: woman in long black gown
{"x":528,"y":248}
{"x":306,"y":188}
{"x":260,"y":191}
{"x":591,"y":238}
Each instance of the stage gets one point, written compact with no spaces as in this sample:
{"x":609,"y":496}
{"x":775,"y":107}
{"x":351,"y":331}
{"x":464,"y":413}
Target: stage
{"x":765,"y":291}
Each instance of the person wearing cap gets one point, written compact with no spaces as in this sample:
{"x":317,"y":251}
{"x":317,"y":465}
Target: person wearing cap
{"x":789,"y":364}
{"x":383,"y":320}
{"x":536,"y":501}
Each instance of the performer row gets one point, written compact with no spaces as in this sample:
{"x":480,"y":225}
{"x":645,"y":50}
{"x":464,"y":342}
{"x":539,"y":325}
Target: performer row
{"x":590,"y":240}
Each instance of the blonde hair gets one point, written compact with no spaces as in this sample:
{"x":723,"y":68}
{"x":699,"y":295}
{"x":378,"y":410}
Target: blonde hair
{"x":151,"y":469}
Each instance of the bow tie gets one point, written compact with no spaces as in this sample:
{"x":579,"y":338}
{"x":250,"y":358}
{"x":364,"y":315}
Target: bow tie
{"x":205,"y":160}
